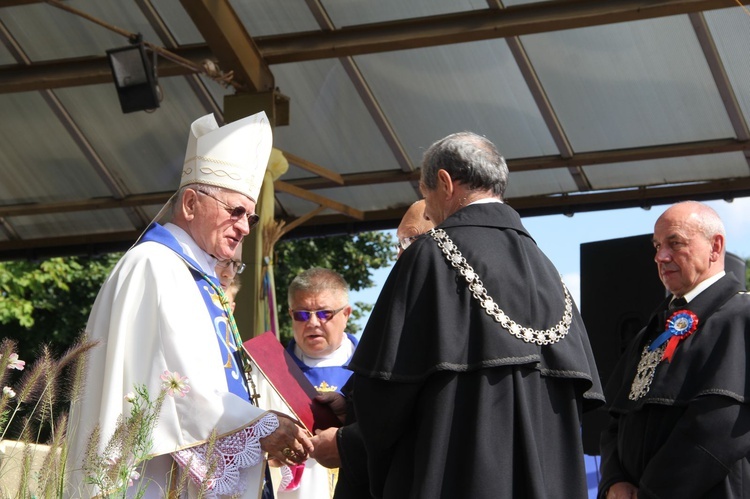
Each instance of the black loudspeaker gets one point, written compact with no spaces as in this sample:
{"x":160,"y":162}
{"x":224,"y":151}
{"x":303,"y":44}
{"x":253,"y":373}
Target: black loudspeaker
{"x":620,"y":287}
{"x":736,"y":265}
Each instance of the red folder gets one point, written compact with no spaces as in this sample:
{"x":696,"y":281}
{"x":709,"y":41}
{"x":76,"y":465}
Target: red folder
{"x":289,"y":381}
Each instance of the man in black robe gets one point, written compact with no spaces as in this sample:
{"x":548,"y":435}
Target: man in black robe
{"x":678,"y":398}
{"x":458,"y":395}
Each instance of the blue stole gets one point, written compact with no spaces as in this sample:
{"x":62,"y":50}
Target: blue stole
{"x":217,"y":306}
{"x":324,"y":379}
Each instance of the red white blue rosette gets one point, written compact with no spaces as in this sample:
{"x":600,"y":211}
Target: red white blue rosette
{"x":679,"y":326}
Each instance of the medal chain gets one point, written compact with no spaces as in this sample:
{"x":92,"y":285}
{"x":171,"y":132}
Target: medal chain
{"x":530,"y":335}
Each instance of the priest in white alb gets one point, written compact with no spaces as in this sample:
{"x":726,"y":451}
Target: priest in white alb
{"x":163,"y":322}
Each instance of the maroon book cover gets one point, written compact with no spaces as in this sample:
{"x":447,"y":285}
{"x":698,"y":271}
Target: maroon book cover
{"x":289,"y":381}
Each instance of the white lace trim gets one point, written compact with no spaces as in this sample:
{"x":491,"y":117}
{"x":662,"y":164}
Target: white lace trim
{"x":233,"y":455}
{"x":286,"y":477}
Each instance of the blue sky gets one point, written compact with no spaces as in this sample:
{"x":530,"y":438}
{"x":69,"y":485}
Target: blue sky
{"x":560,"y":237}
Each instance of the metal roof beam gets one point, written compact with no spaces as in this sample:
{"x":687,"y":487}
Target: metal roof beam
{"x":471,"y":26}
{"x":85,"y":71}
{"x":627,"y":155}
{"x":230,"y":43}
{"x":372,"y":38}
{"x":719,"y":73}
{"x":389,"y":218}
{"x":281,"y":186}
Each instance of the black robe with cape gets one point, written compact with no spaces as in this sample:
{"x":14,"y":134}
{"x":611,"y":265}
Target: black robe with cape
{"x":689,"y":436}
{"x":451,"y":405}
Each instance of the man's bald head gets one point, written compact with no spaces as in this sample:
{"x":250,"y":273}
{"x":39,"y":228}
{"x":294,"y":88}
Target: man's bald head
{"x":412,"y":224}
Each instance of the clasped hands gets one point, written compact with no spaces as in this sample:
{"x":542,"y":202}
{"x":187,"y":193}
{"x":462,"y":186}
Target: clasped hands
{"x":326,"y":450}
{"x":289,"y":444}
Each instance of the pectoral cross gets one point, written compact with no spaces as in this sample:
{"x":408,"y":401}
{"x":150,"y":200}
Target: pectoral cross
{"x":254,"y":395}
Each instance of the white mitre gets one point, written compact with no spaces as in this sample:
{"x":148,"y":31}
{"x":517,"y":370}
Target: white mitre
{"x":233,"y":157}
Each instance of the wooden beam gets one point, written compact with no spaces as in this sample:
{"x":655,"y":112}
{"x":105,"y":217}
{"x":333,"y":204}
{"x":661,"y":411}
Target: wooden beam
{"x":627,"y":155}
{"x":26,"y":209}
{"x":313,"y":168}
{"x":389,"y":218}
{"x":432,"y":31}
{"x":282,"y":186}
{"x":93,"y":244}
{"x":77,"y":72}
{"x":643,"y":197}
{"x":304,"y":185}
{"x":301,"y":220}
{"x":230,"y":43}
{"x":470,"y":26}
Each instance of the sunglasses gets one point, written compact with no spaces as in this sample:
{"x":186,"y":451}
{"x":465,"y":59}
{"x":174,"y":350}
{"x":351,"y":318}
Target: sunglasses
{"x":236,"y":266}
{"x":405,"y":242}
{"x":322,"y":315}
{"x":236,"y":212}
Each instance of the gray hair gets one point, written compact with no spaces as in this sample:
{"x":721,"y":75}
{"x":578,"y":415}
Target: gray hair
{"x":315,"y":280}
{"x":468,"y":158}
{"x":176,"y":200}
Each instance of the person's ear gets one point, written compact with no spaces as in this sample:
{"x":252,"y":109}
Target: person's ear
{"x":445,"y":184}
{"x":189,"y":205}
{"x":717,"y":247}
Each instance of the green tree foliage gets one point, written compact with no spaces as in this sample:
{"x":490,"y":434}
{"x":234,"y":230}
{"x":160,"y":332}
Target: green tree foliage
{"x":48,"y":302}
{"x":354,"y":257}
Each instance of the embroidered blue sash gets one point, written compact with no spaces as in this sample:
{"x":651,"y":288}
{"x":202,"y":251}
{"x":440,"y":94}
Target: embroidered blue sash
{"x":217,"y":306}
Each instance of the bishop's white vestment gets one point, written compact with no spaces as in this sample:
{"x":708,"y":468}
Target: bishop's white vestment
{"x":150,"y":316}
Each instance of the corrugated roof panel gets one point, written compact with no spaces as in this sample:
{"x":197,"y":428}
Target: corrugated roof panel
{"x":668,"y":171}
{"x":39,"y":162}
{"x":430,"y":93}
{"x":273,"y":17}
{"x":46,"y":32}
{"x":348,"y":13}
{"x":330,"y":125}
{"x":178,"y":22}
{"x":5,"y":56}
{"x":730,"y":29}
{"x":71,"y":224}
{"x":539,"y":183}
{"x":146,"y":150}
{"x":629,"y":85}
{"x":260,"y":17}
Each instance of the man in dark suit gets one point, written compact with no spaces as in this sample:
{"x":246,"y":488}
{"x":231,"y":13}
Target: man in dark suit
{"x":474,"y":368}
{"x":678,"y":398}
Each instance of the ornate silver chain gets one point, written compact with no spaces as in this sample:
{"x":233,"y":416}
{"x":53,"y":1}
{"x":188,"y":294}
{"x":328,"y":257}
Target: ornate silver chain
{"x":527,"y":334}
{"x":645,"y":372}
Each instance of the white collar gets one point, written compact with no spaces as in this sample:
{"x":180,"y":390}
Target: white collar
{"x":486,"y":201}
{"x":338,"y":357}
{"x":191,"y":249}
{"x":702,"y":286}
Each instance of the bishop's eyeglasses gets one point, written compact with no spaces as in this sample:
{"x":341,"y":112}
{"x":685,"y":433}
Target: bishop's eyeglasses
{"x":405,"y":242}
{"x":236,"y":212}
